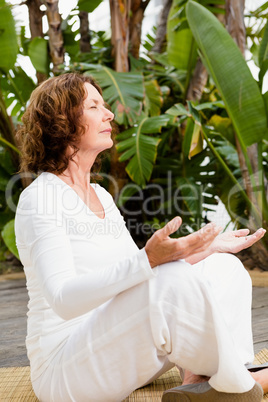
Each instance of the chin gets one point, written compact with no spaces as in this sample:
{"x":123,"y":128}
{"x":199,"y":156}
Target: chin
{"x":110,"y":144}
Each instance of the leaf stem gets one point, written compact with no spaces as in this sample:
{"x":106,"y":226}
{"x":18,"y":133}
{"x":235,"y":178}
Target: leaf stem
{"x":7,"y":143}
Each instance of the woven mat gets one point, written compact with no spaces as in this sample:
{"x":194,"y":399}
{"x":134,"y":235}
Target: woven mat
{"x":15,"y":384}
{"x":153,"y":392}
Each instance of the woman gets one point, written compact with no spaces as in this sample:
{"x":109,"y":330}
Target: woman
{"x":105,"y":317}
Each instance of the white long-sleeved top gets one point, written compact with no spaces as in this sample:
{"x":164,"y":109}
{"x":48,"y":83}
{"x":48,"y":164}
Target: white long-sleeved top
{"x":73,"y":260}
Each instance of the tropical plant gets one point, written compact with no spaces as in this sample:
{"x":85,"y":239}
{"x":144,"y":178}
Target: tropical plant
{"x":164,"y":106}
{"x":244,"y":104}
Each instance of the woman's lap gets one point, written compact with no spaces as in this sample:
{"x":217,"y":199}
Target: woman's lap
{"x":147,"y":329}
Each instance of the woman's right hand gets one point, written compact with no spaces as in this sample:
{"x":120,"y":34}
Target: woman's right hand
{"x":160,"y":248}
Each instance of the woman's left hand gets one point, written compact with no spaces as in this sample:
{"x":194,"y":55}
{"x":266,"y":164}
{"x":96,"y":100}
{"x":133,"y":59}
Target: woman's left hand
{"x":235,"y":241}
{"x":228,"y":242}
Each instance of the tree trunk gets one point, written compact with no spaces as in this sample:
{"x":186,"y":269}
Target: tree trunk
{"x":135,"y":24}
{"x":36,"y":27}
{"x":235,"y":22}
{"x":198,"y":82}
{"x":120,"y":13}
{"x":55,"y":34}
{"x":85,"y":46}
{"x":161,"y":30}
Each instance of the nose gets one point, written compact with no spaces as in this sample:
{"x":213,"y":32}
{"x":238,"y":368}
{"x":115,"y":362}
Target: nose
{"x":108,"y":115}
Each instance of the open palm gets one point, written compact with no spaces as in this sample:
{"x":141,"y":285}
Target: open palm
{"x":235,"y":241}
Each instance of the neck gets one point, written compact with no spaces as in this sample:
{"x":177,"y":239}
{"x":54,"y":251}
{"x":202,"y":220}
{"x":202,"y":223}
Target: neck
{"x":78,"y":171}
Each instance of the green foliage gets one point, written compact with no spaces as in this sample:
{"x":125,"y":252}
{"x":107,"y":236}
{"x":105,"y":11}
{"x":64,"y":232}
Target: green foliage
{"x":239,"y":91}
{"x":140,"y":148}
{"x":16,"y":88}
{"x":160,"y":138}
{"x":241,"y":96}
{"x":153,"y":98}
{"x":88,"y":5}
{"x":181,"y":47}
{"x":8,"y":235}
{"x":263,"y":55}
{"x":8,"y":37}
{"x":8,"y":201}
{"x":38,"y":54}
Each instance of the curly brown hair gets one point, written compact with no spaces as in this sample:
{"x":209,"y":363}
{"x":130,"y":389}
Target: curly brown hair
{"x":52,"y":122}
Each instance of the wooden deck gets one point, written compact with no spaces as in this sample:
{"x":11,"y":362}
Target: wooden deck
{"x":13,"y":307}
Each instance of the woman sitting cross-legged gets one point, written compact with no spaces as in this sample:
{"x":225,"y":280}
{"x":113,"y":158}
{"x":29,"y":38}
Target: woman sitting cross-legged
{"x":104,"y":317}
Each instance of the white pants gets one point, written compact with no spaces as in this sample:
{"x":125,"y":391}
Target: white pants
{"x":196,"y":317}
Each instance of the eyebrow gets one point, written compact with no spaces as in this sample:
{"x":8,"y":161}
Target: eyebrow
{"x":106,"y":105}
{"x":96,"y":101}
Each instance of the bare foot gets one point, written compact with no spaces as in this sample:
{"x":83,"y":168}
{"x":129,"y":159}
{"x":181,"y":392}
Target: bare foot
{"x":261,"y":377}
{"x":190,"y":378}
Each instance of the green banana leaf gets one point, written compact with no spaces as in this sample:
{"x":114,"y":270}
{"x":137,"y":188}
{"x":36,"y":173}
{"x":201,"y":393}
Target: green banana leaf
{"x":193,"y":139}
{"x":8,"y":235}
{"x":16,"y":90}
{"x":8,"y":37}
{"x":124,"y":92}
{"x":38,"y":53}
{"x":140,"y":148}
{"x":191,"y":196}
{"x":181,"y":48}
{"x":7,"y":165}
{"x":260,"y":10}
{"x":263,"y":55}
{"x":153,"y":98}
{"x":88,"y":5}
{"x":231,"y":75}
{"x":178,"y":110}
{"x":223,"y":125}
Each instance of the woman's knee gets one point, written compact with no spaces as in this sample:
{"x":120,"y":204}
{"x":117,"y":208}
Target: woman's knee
{"x":176,"y":283}
{"x":223,"y":268}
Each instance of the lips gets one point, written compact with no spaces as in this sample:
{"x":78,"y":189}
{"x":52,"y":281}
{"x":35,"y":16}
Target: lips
{"x":108,"y":130}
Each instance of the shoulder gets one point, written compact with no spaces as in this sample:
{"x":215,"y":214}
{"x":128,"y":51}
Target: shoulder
{"x":38,"y":210}
{"x":41,"y":191}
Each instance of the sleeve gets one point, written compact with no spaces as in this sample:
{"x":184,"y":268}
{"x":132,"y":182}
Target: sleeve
{"x":50,"y":253}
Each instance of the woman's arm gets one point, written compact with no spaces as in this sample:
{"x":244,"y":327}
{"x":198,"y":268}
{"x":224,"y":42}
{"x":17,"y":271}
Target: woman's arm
{"x":45,"y":247}
{"x":71,"y":295}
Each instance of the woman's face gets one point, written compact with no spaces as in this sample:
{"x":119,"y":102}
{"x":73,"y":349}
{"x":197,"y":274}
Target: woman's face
{"x":97,"y":122}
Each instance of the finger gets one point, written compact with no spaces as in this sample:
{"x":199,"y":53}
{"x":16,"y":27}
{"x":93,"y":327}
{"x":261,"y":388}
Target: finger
{"x":241,"y":232}
{"x":259,"y":233}
{"x":250,"y":240}
{"x":171,"y":227}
